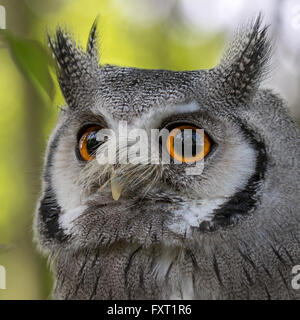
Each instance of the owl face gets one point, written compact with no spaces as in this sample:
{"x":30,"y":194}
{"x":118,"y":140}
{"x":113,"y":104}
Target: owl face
{"x":86,"y":203}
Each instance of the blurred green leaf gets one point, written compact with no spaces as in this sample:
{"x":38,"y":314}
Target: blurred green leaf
{"x":33,"y":60}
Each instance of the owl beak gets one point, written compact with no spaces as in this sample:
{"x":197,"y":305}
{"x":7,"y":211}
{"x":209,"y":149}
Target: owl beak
{"x":116,"y":189}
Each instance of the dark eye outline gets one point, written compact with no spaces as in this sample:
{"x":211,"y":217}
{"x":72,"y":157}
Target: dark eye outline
{"x":83,"y":133}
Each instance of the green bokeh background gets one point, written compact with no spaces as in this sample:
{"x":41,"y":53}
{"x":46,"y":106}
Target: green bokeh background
{"x":29,"y":101}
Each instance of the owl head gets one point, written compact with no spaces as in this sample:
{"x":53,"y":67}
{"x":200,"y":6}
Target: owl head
{"x":248,"y":186}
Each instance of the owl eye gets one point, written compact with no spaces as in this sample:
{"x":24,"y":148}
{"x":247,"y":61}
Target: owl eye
{"x":183,"y":145}
{"x":88,"y":143}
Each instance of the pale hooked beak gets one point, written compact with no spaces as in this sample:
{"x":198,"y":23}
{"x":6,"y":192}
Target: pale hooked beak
{"x":116,"y":188}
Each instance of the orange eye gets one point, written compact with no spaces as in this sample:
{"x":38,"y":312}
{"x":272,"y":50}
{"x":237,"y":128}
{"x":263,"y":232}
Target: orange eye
{"x":185,"y":144}
{"x":88,"y":143}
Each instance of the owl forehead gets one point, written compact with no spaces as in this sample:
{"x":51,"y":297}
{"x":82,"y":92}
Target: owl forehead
{"x":128,"y":93}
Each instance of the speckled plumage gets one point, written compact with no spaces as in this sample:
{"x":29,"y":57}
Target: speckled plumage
{"x":132,"y":248}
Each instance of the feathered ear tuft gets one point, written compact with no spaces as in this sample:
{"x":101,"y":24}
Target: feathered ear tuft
{"x":245,"y":61}
{"x":76,"y":68}
{"x":92,"y":44}
{"x":70,"y":59}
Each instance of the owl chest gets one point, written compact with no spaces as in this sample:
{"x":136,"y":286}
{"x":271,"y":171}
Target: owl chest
{"x":126,"y":272}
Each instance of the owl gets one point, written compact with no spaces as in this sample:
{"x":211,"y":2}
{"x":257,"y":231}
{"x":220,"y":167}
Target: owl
{"x":152,"y":229}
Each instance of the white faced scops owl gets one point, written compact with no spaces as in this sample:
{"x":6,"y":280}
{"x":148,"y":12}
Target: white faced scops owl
{"x":151,"y":229}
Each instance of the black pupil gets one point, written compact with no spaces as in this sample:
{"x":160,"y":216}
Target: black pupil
{"x":192,"y":140}
{"x":92,"y":144}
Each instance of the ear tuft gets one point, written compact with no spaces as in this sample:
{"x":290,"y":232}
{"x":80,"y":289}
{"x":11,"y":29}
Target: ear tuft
{"x":76,"y":68}
{"x":68,"y":56}
{"x":246,"y":61}
{"x":92,"y":44}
